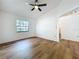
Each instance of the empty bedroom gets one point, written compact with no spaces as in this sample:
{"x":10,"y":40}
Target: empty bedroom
{"x":39,"y":29}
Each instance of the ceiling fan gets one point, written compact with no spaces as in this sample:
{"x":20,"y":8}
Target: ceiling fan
{"x":36,"y":5}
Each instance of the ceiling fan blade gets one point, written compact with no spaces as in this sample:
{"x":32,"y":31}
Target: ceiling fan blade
{"x":36,"y":1}
{"x":32,"y":9}
{"x":39,"y":9}
{"x":42,"y":5}
{"x":32,"y":4}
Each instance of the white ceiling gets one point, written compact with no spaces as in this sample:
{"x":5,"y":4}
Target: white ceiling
{"x":20,"y":8}
{"x":64,"y":7}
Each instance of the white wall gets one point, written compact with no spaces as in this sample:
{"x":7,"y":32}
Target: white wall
{"x":70,"y":27}
{"x":8,"y":28}
{"x":47,"y":28}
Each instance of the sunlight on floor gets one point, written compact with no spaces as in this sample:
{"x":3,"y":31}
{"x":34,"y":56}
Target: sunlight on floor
{"x":20,"y":50}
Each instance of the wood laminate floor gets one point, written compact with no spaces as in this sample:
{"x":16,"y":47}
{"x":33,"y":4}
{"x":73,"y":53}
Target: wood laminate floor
{"x":37,"y":48}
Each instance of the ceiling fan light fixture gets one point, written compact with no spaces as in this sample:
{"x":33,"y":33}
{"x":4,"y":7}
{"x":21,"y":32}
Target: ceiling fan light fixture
{"x":36,"y":7}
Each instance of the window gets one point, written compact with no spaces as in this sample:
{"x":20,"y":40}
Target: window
{"x":22,"y":26}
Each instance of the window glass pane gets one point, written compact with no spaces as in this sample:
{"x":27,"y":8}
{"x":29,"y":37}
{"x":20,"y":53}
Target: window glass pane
{"x":18,"y":29}
{"x":26,"y":29}
{"x":22,"y":25}
{"x":17,"y":23}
